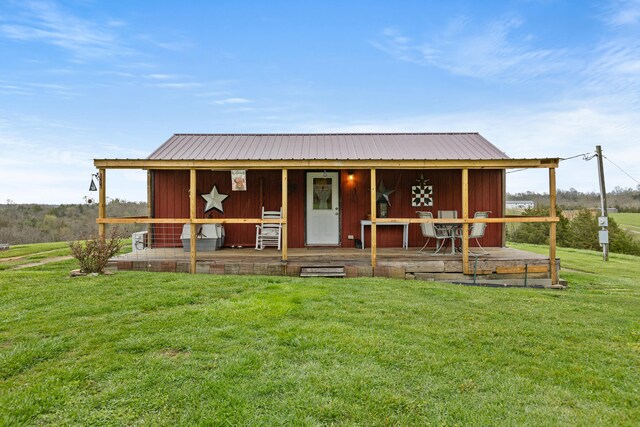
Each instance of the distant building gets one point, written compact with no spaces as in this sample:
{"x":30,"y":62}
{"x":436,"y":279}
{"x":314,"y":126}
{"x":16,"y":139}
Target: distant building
{"x":520,"y":204}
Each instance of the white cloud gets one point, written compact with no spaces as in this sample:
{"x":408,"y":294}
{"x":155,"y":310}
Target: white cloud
{"x":227,"y":101}
{"x":36,"y":88}
{"x":116,"y":23}
{"x":622,"y":13}
{"x":176,"y":44}
{"x":162,"y":76}
{"x":614,"y":71}
{"x":45,"y":22}
{"x":487,"y":52}
{"x":179,"y":85}
{"x":7,"y":88}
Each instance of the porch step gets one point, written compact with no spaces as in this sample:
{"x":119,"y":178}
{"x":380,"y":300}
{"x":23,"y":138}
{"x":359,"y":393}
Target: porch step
{"x":318,"y":271}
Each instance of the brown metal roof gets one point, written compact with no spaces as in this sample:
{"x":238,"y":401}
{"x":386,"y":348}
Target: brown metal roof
{"x":330,"y":146}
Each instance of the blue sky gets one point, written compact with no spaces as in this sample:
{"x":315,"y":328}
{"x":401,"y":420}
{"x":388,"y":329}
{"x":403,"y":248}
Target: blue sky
{"x":82,"y":79}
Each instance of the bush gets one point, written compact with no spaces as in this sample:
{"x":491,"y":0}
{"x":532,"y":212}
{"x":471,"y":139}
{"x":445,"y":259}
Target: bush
{"x":620,"y":241}
{"x":583,"y":231}
{"x":538,"y":232}
{"x":94,"y":254}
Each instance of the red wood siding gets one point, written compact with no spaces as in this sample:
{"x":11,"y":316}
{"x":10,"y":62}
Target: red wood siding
{"x":485,"y":193}
{"x":171,"y":200}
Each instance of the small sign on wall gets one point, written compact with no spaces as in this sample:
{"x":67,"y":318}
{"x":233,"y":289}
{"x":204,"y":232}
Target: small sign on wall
{"x":238,"y":180}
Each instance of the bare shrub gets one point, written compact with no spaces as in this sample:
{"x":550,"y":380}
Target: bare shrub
{"x":93,"y":254}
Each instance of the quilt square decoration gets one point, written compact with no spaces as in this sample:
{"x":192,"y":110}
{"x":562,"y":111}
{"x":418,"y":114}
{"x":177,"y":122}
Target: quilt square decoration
{"x":421,"y":195}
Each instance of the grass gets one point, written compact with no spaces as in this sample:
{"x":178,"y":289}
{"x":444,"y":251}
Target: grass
{"x":161,"y":348}
{"x":23,"y":250}
{"x":619,"y":266}
{"x":628,"y":221}
{"x":28,"y":254}
{"x":25,"y":254}
{"x":627,"y":218}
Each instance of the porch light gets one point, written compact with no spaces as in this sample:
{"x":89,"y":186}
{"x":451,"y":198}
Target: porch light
{"x":350,"y":175}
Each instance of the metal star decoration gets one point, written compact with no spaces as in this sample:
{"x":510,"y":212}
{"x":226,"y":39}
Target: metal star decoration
{"x":382,"y":195}
{"x":214,"y":200}
{"x":421,"y":181}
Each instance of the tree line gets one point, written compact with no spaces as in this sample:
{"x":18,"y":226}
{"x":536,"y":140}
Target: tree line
{"x":37,"y":223}
{"x":623,"y":199}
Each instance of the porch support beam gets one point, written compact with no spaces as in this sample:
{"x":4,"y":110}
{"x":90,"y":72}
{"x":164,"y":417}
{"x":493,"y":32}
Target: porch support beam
{"x":472,"y":220}
{"x":552,"y":227}
{"x":325,"y":164}
{"x":145,"y":220}
{"x":102,"y":201}
{"x":192,"y":216}
{"x":374,"y":239}
{"x":465,"y":225}
{"x":285,"y":194}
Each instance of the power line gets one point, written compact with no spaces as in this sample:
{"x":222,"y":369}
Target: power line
{"x":585,"y":156}
{"x":622,"y":170}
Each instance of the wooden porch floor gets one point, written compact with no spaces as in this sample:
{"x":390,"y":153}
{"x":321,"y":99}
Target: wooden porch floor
{"x":323,"y":254}
{"x":500,"y":266}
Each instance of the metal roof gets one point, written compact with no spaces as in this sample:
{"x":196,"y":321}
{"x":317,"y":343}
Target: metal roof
{"x":328,"y":146}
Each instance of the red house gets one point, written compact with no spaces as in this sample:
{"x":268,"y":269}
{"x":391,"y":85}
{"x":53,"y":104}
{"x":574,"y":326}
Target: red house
{"x":336,"y":190}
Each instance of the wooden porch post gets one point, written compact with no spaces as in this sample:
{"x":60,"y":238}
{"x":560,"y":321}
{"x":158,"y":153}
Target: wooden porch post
{"x":465,"y":216}
{"x":285,"y":189}
{"x":504,"y":208}
{"x":102,"y":203}
{"x":192,"y":216}
{"x":149,"y":207}
{"x":374,"y":243}
{"x":552,"y":226}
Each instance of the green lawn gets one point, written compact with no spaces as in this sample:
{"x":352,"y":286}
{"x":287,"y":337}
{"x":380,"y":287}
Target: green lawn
{"x":629,"y":221}
{"x":28,"y":254}
{"x":23,"y":250}
{"x":161,"y":348}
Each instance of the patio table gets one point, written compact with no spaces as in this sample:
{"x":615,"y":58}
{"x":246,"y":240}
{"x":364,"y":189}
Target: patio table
{"x":405,"y":230}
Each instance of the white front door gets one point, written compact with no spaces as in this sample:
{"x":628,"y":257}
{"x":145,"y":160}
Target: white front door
{"x":323,"y":208}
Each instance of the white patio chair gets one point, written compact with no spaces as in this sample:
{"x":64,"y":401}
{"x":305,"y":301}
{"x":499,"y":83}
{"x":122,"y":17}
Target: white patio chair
{"x":477,"y":230}
{"x":269,"y":234}
{"x":432,"y":231}
{"x":447,"y":214}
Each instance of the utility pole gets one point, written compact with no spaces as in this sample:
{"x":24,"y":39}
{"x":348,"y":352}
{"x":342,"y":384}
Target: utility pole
{"x":603,"y":221}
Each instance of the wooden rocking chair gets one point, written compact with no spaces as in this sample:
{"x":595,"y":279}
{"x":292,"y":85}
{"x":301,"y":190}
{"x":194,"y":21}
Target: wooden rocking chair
{"x":269,"y":234}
